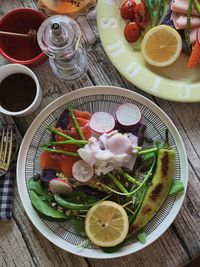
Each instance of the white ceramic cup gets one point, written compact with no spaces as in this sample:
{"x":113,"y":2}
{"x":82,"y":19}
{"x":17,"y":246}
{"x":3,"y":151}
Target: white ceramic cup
{"x":9,"y":69}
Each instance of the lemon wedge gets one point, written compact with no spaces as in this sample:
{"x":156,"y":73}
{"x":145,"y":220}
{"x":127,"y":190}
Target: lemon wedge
{"x":161,"y":46}
{"x":106,"y":224}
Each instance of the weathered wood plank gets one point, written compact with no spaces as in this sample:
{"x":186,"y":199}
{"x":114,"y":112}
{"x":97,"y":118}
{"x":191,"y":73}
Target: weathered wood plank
{"x":7,"y":6}
{"x":22,"y":245}
{"x":166,"y":252}
{"x":180,"y":243}
{"x":13,"y":250}
{"x":187,"y":224}
{"x":44,"y":253}
{"x":29,"y":4}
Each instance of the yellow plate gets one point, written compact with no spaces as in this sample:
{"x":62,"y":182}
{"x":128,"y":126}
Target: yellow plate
{"x":175,"y":82}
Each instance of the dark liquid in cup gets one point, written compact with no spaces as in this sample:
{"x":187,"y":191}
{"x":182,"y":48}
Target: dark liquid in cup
{"x":17,"y":92}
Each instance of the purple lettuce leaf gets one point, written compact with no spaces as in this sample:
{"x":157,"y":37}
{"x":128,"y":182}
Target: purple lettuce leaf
{"x":62,"y":122}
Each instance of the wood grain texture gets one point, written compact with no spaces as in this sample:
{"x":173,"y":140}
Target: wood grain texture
{"x":22,"y":245}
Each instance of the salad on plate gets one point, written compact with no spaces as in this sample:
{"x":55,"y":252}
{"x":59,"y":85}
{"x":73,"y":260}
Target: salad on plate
{"x":104,"y":174}
{"x":163,"y":35}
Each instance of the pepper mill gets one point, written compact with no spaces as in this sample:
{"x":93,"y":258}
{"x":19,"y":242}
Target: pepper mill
{"x":59,"y":37}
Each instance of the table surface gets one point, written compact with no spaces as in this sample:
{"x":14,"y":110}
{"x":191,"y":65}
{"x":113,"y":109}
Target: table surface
{"x":22,"y":245}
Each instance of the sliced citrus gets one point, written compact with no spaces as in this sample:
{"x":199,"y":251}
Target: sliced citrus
{"x":106,"y":224}
{"x":161,"y":46}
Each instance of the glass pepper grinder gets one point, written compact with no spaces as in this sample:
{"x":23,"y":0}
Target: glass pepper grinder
{"x":59,"y":37}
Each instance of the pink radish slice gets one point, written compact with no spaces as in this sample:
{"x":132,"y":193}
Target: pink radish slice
{"x":82,"y":171}
{"x":58,"y":186}
{"x":198,"y":35}
{"x":128,"y":114}
{"x":102,"y":122}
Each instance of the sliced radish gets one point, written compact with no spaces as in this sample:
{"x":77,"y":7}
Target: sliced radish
{"x":198,"y":35}
{"x":102,"y":122}
{"x":58,"y":186}
{"x":82,"y":171}
{"x":128,"y":114}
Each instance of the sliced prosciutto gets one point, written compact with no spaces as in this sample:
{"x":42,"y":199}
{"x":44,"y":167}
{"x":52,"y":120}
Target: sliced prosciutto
{"x":111,"y":151}
{"x":193,"y":35}
{"x":180,"y":20}
{"x":181,"y":6}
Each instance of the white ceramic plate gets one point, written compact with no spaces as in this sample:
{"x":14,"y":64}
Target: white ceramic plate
{"x":98,"y":99}
{"x":175,"y":82}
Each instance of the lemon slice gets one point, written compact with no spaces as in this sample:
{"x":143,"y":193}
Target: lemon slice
{"x":106,"y":224}
{"x":161,"y":46}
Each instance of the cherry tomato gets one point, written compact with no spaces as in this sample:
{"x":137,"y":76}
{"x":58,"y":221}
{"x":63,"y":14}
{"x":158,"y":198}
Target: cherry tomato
{"x":132,"y":32}
{"x":127,"y":9}
{"x":141,"y":15}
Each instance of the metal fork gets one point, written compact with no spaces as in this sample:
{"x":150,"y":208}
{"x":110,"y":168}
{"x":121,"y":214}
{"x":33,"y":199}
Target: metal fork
{"x":6,"y":143}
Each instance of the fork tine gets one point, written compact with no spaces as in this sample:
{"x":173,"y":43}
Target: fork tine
{"x":6,"y":140}
{"x":6,"y":148}
{"x":2,"y":143}
{"x":10,"y":148}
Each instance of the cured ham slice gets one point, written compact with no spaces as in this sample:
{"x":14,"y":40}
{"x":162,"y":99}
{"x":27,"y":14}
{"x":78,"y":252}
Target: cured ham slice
{"x":111,"y":151}
{"x":193,"y":35}
{"x":181,"y":6}
{"x":119,"y":144}
{"x":180,"y":20}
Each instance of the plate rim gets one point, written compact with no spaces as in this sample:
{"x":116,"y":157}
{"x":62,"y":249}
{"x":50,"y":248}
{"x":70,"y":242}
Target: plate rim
{"x":136,"y":83}
{"x":35,"y":219}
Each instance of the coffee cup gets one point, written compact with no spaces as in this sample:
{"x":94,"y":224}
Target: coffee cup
{"x":20,"y":92}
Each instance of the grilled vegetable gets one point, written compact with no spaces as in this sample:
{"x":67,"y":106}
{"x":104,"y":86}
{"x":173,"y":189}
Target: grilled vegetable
{"x":158,"y":190}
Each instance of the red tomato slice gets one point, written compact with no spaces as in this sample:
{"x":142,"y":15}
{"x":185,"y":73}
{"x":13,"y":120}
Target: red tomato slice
{"x":127,"y":9}
{"x":132,"y":32}
{"x":141,"y":15}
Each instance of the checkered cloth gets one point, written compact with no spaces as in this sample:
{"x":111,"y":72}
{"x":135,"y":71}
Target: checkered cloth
{"x":6,"y":193}
{"x":6,"y":181}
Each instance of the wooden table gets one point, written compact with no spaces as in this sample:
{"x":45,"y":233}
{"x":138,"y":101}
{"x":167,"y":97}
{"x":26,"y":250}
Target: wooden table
{"x":22,"y":245}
